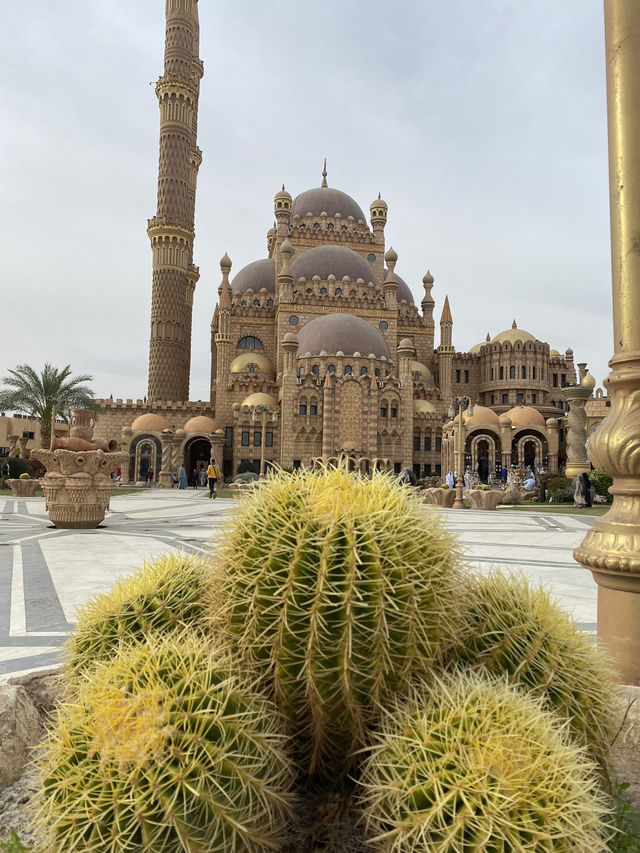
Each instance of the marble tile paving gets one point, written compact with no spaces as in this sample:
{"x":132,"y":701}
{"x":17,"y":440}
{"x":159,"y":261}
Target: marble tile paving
{"x":46,"y":574}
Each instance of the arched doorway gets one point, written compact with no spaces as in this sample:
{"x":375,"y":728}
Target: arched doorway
{"x":529,"y":454}
{"x":483,"y":460}
{"x":145,"y":453}
{"x":196,"y":456}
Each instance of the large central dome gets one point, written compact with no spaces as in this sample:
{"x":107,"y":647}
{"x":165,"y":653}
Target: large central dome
{"x":326,"y":200}
{"x":332,"y":260}
{"x":345,"y":333}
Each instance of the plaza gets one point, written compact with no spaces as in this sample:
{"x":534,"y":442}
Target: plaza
{"x":47,"y":574}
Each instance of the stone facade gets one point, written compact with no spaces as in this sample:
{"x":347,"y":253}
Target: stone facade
{"x":318,"y":350}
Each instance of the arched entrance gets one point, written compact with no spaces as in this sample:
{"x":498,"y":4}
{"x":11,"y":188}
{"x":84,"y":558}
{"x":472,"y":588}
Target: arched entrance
{"x":145,"y":453}
{"x":197,"y":453}
{"x":483,"y":460}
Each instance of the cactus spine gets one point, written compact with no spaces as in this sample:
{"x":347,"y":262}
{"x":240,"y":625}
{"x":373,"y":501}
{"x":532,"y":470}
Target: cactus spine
{"x":472,"y":765}
{"x":339,"y":589}
{"x":165,"y":750}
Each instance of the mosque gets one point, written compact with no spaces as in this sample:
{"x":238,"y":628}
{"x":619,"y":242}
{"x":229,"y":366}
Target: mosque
{"x":318,"y":349}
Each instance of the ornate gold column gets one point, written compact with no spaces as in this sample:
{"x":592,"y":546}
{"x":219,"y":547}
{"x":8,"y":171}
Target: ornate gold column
{"x":611,"y":549}
{"x":577,"y":463}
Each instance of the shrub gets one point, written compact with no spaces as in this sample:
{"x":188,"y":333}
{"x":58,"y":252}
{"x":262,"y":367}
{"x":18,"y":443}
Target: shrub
{"x":165,"y":750}
{"x":338,"y":588}
{"x":246,"y":467}
{"x":471,"y":765}
{"x":513,"y":628}
{"x":601,"y":483}
{"x":555,"y":484}
{"x":163,"y":596}
{"x":17,"y":466}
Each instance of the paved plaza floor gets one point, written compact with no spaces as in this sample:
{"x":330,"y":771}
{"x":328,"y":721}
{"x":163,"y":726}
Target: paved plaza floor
{"x":46,"y":574}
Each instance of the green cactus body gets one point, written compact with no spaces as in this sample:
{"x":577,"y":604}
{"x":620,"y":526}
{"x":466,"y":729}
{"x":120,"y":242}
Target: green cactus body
{"x":164,"y":750}
{"x":515,"y":628}
{"x":339,"y":589}
{"x":162,"y":596}
{"x":469,"y":764}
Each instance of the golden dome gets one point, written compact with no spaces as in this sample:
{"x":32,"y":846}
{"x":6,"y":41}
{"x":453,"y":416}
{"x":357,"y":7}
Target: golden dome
{"x":259,"y":399}
{"x":149,"y":423}
{"x":417,"y":367}
{"x":588,"y":381}
{"x":512,"y":335}
{"x":525,"y":416}
{"x":423,"y":407}
{"x":201,"y":423}
{"x":240,"y":364}
{"x":482,"y":416}
{"x":553,"y":352}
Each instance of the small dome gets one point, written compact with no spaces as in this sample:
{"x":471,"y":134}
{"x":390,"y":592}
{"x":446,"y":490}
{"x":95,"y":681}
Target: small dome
{"x":326,"y":200}
{"x":240,"y":364}
{"x":512,"y":335}
{"x":588,"y":381}
{"x":482,"y":416}
{"x":423,"y":407}
{"x":290,"y":338}
{"x":149,"y":423}
{"x":422,"y":370}
{"x":379,"y":202}
{"x":341,"y":332}
{"x":282,"y":194}
{"x":525,"y":416}
{"x":259,"y":399}
{"x":391,"y":255}
{"x":427,"y":278}
{"x":405,"y":343}
{"x":404,"y":291}
{"x":332,"y":260}
{"x":553,"y":352}
{"x":256,"y":275}
{"x":201,"y":423}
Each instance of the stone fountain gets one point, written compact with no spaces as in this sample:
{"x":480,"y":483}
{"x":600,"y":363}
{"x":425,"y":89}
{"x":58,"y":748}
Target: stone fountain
{"x":77,"y":485}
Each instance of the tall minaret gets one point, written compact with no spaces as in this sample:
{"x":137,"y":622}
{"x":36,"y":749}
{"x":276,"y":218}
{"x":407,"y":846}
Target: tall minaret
{"x":171,"y":231}
{"x":445,"y":351}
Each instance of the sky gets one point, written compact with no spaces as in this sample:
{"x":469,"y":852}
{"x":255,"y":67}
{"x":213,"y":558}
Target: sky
{"x":481,"y":122}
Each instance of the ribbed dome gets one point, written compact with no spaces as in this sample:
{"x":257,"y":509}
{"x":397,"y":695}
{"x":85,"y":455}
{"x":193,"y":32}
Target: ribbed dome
{"x":423,"y":407}
{"x":149,"y":423}
{"x":417,"y":367}
{"x":326,"y":200}
{"x":332,"y":260}
{"x":512,"y":335}
{"x":201,"y":423}
{"x":333,"y":333}
{"x":482,"y":416}
{"x":241,"y":363}
{"x":259,"y":399}
{"x":256,"y":275}
{"x":524,"y":416}
{"x":404,"y":291}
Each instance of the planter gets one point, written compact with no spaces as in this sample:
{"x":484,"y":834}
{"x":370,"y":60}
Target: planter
{"x":442,"y":497}
{"x":23,"y":488}
{"x":484,"y":499}
{"x":77,"y":486}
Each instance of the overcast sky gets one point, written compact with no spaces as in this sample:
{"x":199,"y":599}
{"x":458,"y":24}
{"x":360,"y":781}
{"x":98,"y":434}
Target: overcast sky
{"x":481,"y":122}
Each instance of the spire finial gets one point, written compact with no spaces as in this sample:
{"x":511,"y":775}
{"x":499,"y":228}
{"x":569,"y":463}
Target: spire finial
{"x":324,"y":174}
{"x":514,"y":325}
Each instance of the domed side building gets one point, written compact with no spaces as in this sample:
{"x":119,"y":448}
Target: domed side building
{"x":319,"y":349}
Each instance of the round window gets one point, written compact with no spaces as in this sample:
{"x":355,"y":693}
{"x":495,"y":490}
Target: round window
{"x":371,"y":257}
{"x":293,"y":320}
{"x":383,"y":325}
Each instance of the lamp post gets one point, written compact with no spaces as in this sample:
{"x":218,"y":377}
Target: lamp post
{"x":459,"y":405}
{"x":54,"y":403}
{"x":263,"y":418}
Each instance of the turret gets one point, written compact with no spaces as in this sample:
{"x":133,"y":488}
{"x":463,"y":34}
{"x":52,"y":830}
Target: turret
{"x":378,"y":210}
{"x":390,"y":285}
{"x":282,"y":210}
{"x":285,"y":279}
{"x":222,"y":338}
{"x":171,"y":231}
{"x":445,"y":350}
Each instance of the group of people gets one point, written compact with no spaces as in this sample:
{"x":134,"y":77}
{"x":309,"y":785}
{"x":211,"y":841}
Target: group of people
{"x":202,"y":476}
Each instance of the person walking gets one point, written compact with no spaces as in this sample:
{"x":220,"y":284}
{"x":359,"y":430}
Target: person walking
{"x":150,"y":478}
{"x":182,"y":478}
{"x":213,"y":475}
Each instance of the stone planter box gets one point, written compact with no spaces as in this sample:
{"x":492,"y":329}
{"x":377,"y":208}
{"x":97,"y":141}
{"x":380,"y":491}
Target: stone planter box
{"x":23,"y":488}
{"x":484,"y":499}
{"x":442,"y":497}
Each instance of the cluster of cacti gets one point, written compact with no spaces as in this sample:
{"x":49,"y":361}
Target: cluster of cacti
{"x":343,"y":601}
{"x":338,"y":589}
{"x":513,"y":627}
{"x":471,"y":765}
{"x":162,"y":596}
{"x":166,"y":749}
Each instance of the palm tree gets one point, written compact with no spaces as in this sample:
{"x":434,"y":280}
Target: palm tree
{"x":32,"y":393}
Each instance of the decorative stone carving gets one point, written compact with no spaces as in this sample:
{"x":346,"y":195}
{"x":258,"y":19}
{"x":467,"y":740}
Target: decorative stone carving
{"x":442,"y":497}
{"x":77,"y":485}
{"x":577,"y":462}
{"x":484,"y":499}
{"x":23,"y":488}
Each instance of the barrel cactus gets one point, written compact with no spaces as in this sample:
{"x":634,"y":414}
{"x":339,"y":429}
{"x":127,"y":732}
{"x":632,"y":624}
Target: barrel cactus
{"x":165,"y":749}
{"x":163,"y":595}
{"x":514,"y":627}
{"x":338,"y":588}
{"x":477,"y":766}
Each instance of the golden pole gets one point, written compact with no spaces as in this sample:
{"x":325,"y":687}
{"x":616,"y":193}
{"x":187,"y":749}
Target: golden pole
{"x":262,"y":440}
{"x":611,"y":549}
{"x":459,"y":502}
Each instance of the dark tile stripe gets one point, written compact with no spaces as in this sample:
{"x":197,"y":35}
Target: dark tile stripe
{"x":43,"y":609}
{"x":52,"y":658}
{"x":6,"y":570}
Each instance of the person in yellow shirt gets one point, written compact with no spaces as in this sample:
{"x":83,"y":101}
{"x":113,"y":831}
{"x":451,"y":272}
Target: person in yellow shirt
{"x":213,"y":475}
